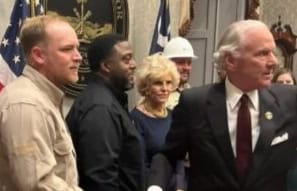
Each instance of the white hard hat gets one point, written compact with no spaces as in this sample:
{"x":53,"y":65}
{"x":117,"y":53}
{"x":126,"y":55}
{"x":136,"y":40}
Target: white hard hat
{"x":179,"y":48}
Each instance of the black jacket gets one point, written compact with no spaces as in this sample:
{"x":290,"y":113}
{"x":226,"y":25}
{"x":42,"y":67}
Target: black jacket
{"x":109,"y":148}
{"x":200,"y":127}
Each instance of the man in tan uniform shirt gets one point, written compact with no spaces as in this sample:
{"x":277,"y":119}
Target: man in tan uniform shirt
{"x":36,"y":151}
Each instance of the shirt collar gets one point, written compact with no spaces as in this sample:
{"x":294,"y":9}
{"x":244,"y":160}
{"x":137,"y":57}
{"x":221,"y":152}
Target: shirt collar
{"x":183,"y":87}
{"x":121,"y":96}
{"x":233,"y":94}
{"x":54,"y":93}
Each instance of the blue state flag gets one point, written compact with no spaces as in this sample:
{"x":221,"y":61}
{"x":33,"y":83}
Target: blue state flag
{"x":162,"y":28}
{"x":11,"y":54}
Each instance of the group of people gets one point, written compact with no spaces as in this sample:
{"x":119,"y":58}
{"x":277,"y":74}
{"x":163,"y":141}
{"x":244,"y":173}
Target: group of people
{"x":237,"y":135}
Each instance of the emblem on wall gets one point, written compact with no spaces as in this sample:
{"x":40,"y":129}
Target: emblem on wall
{"x":90,"y":19}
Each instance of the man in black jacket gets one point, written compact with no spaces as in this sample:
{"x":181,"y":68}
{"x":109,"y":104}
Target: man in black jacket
{"x":109,"y":149}
{"x":229,"y":152}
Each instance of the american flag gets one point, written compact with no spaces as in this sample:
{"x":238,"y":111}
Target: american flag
{"x":11,"y":56}
{"x":162,"y":29}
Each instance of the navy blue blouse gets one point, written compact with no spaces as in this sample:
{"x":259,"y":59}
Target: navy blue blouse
{"x":154,"y":131}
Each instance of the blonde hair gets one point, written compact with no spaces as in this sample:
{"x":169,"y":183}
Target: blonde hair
{"x":33,"y":31}
{"x":153,"y":68}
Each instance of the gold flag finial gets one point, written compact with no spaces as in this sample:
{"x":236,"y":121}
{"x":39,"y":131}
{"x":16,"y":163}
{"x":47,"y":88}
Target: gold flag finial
{"x":32,"y":3}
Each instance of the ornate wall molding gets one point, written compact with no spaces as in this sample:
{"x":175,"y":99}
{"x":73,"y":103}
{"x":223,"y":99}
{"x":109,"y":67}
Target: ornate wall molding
{"x":186,"y":26}
{"x":285,"y":40}
{"x":252,"y":9}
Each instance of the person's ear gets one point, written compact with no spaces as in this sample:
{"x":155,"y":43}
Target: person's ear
{"x":37,"y":55}
{"x":105,"y":67}
{"x":230,"y":62}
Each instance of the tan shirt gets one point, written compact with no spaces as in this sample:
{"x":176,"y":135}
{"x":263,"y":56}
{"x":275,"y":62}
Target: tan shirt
{"x":36,"y":151}
{"x":174,"y":97}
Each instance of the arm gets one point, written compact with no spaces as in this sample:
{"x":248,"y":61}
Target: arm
{"x":175,"y":147}
{"x":27,"y":140}
{"x":161,"y":171}
{"x":98,"y":149}
{"x":180,"y":175}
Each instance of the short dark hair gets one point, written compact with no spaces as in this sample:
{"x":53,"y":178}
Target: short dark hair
{"x":101,"y":48}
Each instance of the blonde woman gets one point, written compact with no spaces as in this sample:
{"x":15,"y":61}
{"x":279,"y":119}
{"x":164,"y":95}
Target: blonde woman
{"x":156,"y":78}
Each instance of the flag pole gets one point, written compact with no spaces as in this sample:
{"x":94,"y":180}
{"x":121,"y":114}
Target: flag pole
{"x":32,"y":3}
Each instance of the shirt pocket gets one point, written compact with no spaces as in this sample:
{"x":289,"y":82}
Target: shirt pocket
{"x":64,"y":159}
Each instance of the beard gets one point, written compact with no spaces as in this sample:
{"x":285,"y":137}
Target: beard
{"x":122,"y":83}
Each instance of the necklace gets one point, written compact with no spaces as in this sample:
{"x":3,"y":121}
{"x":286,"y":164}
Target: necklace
{"x":155,"y":113}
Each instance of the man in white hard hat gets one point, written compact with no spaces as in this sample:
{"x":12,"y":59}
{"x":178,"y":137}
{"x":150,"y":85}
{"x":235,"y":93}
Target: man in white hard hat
{"x":180,"y":51}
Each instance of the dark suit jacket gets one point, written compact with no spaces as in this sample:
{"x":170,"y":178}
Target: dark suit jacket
{"x":200,"y":127}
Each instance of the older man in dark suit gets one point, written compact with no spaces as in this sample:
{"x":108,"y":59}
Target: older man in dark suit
{"x":241,"y":134}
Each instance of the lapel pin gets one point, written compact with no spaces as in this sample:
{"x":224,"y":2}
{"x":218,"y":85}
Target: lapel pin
{"x":268,"y":115}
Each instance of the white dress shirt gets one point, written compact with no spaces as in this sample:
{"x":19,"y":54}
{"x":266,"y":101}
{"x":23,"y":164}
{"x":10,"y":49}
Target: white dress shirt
{"x":233,"y":95}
